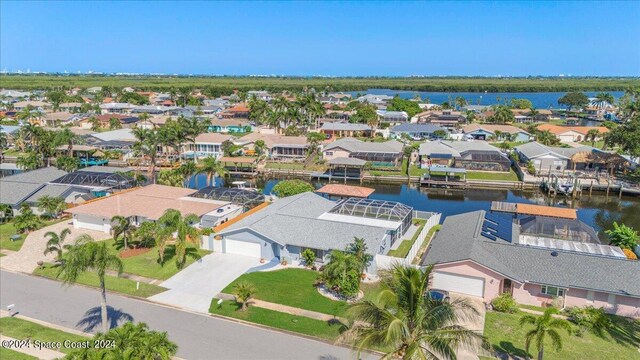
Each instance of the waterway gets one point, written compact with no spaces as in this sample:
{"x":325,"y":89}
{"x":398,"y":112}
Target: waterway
{"x":541,"y":100}
{"x":598,"y":210}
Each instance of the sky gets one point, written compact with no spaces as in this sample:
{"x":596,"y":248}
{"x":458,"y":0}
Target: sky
{"x":323,"y":38}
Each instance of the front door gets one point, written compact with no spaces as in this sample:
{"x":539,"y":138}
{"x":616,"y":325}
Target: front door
{"x":507,"y":286}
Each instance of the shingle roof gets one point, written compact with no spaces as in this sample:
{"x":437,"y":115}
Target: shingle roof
{"x":54,"y":190}
{"x":493,"y":128}
{"x":347,"y":161}
{"x":15,"y":189}
{"x":339,"y":126}
{"x":355,"y":145}
{"x":459,"y":239}
{"x":294,"y":221}
{"x":422,"y":128}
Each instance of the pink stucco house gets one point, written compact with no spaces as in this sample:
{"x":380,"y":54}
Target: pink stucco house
{"x":485,"y":254}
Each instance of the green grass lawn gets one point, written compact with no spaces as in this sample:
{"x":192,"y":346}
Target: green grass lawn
{"x":286,"y":166}
{"x":147,"y":264}
{"x":6,"y":230}
{"x":492,"y":176}
{"x":403,"y":250}
{"x":299,"y":324}
{"x":8,"y":354}
{"x":425,"y":244}
{"x":621,"y":342}
{"x":116,"y":284}
{"x":291,"y":287}
{"x":23,"y":329}
{"x":414,"y":170}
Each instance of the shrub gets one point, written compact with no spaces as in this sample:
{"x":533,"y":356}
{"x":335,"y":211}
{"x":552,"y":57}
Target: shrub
{"x":630,"y":254}
{"x":590,"y":318}
{"x":530,"y":168}
{"x":504,"y":303}
{"x":309,"y":257}
{"x":291,"y":187}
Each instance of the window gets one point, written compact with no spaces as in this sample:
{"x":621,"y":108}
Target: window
{"x":329,"y":153}
{"x":551,"y":290}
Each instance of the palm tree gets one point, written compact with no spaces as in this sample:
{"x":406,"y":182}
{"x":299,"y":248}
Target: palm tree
{"x":260,"y":147}
{"x":67,"y":163}
{"x":187,"y":170}
{"x":503,"y":115}
{"x":359,"y":248}
{"x":545,"y":327}
{"x":87,"y":255}
{"x":593,"y":135}
{"x":133,"y":341}
{"x":55,"y":243}
{"x":122,"y":227}
{"x":51,"y":205}
{"x":26,"y":220}
{"x":192,"y":127}
{"x":460,"y":102}
{"x":547,"y":138}
{"x":147,"y":145}
{"x":95,"y":123}
{"x":66,"y":137}
{"x":171,"y":178}
{"x":605,"y":97}
{"x":409,"y":324}
{"x":212,"y":168}
{"x":244,"y":292}
{"x":173,"y":221}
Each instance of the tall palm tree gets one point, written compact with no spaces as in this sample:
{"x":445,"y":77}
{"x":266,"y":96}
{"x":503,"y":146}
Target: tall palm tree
{"x":603,"y":97}
{"x":460,"y":102}
{"x":593,"y":135}
{"x":546,"y":137}
{"x":192,"y":127}
{"x":55,"y":244}
{"x":122,"y":227}
{"x":408,"y":323}
{"x":87,"y":255}
{"x":244,"y":292}
{"x":147,"y":145}
{"x":212,"y":168}
{"x":66,"y":137}
{"x":30,"y":161}
{"x":545,"y":328}
{"x":174,"y":221}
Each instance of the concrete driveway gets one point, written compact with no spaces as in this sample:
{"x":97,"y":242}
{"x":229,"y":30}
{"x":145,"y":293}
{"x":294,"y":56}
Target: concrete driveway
{"x":476,"y":324}
{"x":32,"y":250}
{"x":194,"y":287}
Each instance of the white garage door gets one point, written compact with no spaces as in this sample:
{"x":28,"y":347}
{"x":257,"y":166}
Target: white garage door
{"x":242,"y":248}
{"x":458,"y":283}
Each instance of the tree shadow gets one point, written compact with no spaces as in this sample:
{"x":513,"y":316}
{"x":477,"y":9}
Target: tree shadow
{"x":509,"y":348}
{"x":93,"y":318}
{"x":623,"y":331}
{"x":170,"y":254}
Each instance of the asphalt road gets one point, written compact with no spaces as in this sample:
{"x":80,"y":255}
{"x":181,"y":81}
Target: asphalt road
{"x":198,"y":336}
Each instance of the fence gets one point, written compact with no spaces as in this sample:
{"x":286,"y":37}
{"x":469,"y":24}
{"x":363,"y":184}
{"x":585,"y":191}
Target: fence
{"x":383,"y":262}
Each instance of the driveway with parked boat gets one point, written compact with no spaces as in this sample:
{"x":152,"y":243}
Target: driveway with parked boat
{"x":194,"y":287}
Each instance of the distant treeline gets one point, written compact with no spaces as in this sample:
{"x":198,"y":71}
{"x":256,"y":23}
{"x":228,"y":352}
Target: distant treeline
{"x":226,"y":84}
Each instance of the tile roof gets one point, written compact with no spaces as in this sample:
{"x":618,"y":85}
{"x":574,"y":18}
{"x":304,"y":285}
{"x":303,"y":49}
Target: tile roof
{"x":493,"y":128}
{"x":423,"y":128}
{"x":455,"y":148}
{"x":340,"y":126}
{"x":271,"y":140}
{"x":346,"y":190}
{"x":557,"y":130}
{"x":214,"y":138}
{"x":149,"y":202}
{"x":459,"y":239}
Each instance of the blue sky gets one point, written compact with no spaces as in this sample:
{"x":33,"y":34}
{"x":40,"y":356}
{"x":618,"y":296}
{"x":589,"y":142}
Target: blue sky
{"x":330,"y":38}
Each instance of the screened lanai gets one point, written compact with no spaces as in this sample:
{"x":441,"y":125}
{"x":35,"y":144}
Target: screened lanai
{"x":246,"y":198}
{"x":97,"y":179}
{"x":376,"y":209}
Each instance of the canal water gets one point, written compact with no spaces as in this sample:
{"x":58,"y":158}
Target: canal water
{"x":598,"y":210}
{"x":540,"y":100}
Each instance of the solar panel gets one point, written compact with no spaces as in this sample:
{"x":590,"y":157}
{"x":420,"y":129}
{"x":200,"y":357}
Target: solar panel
{"x":489,"y":236}
{"x":497,"y":226}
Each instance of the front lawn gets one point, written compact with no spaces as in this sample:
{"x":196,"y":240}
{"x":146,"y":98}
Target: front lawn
{"x":8,"y":354}
{"x":116,"y":284}
{"x":621,"y":342}
{"x":6,"y":231}
{"x":291,"y":287}
{"x":147,"y":264}
{"x":492,"y":176}
{"x":300,"y":324}
{"x":23,"y":329}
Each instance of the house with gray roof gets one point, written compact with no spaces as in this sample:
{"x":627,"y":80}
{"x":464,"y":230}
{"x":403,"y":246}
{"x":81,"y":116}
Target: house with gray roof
{"x":470,"y":155}
{"x":484,"y":254}
{"x":417,"y":131}
{"x":345,"y":129}
{"x":557,"y":159}
{"x":29,"y":186}
{"x":382,"y":153}
{"x":288,"y":226}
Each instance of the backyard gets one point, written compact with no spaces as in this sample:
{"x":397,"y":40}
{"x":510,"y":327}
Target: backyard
{"x":403,"y":250}
{"x":620,"y":342}
{"x":474,"y":175}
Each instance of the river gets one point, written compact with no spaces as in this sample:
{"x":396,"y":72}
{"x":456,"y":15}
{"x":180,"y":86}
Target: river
{"x":540,"y":100}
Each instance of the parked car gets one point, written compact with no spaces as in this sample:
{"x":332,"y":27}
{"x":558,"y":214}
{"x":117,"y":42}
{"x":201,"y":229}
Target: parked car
{"x":438,"y":295}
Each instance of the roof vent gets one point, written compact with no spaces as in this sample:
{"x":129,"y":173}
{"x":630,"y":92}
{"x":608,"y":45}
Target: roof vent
{"x":554,"y":253}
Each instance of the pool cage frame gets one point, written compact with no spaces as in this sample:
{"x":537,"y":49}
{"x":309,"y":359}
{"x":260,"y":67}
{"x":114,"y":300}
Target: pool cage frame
{"x":97,"y":179}
{"x":246,"y":198}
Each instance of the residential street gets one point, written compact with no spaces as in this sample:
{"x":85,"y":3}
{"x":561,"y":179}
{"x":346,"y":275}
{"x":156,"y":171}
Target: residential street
{"x":198,"y":336}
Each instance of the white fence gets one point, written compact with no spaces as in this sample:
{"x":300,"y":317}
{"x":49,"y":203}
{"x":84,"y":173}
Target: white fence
{"x":386,"y":262}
